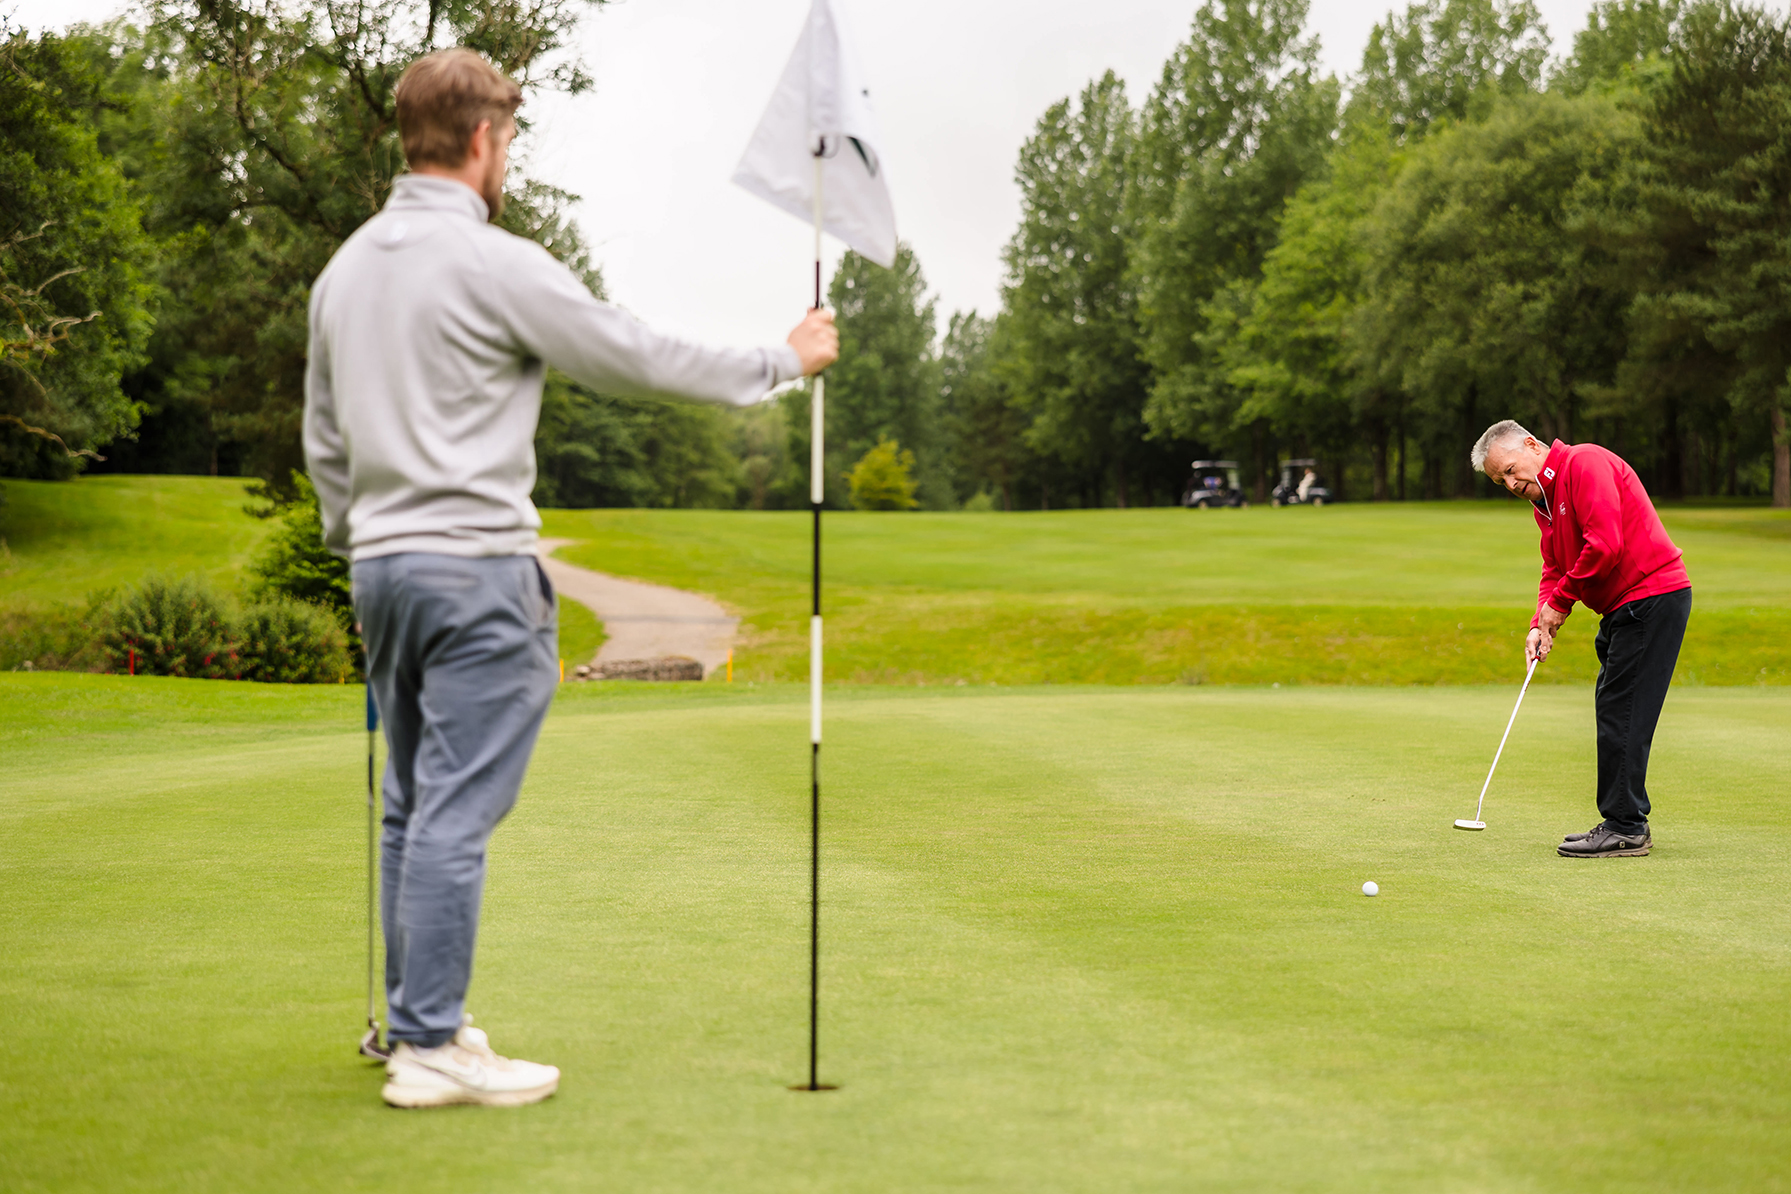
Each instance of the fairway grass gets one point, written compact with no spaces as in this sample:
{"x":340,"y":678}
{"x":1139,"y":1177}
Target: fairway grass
{"x":1074,"y":939}
{"x":1419,"y":593}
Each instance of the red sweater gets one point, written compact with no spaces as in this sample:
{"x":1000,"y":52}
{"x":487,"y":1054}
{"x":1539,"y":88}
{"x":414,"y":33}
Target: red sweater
{"x":1602,"y":542}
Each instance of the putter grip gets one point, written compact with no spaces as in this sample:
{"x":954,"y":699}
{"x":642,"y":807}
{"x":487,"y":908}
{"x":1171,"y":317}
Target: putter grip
{"x":372,"y":711}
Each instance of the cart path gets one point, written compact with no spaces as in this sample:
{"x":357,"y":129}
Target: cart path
{"x":643,"y":621}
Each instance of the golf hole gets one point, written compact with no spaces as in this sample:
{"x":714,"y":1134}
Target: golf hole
{"x":803,"y":1086}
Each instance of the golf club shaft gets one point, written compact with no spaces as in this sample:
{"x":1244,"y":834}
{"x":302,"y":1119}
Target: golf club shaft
{"x":1495,"y":763}
{"x":372,"y":866}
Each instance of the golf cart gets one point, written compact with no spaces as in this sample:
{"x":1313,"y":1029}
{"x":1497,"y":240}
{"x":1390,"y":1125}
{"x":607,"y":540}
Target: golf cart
{"x":1214,"y":483}
{"x":1296,"y":490}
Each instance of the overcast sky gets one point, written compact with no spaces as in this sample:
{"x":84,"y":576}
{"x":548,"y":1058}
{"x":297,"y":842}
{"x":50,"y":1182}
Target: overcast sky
{"x":958,"y":85}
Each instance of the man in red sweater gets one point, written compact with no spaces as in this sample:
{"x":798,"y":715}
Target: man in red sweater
{"x":1602,"y":545}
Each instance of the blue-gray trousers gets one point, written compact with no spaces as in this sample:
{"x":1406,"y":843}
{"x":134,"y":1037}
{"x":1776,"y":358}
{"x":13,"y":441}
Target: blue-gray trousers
{"x":460,"y":656}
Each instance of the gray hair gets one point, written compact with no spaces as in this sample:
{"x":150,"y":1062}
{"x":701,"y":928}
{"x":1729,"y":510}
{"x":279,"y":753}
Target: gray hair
{"x":1500,"y":433}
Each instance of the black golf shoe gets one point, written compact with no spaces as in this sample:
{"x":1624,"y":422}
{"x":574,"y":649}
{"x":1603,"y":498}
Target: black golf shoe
{"x":1580,"y":837}
{"x":1602,"y":842}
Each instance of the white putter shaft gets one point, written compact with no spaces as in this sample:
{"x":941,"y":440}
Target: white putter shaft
{"x":1477,"y":823}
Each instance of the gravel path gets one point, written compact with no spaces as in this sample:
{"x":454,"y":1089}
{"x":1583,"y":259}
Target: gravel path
{"x":643,"y":621}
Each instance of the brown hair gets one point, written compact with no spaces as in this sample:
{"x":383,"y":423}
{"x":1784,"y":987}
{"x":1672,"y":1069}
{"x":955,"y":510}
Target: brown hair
{"x":442,"y":97}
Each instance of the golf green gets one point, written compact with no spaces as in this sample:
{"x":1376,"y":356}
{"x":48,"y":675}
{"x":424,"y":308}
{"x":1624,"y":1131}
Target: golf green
{"x":1075,"y":939}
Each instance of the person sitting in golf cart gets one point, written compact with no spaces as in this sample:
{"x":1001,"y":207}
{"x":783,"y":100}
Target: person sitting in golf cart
{"x":1308,"y":489}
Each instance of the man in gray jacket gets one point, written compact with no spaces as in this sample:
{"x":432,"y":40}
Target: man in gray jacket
{"x":431,"y":331}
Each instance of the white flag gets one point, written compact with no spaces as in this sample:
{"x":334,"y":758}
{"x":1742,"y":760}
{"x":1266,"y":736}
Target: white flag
{"x":822,"y":104}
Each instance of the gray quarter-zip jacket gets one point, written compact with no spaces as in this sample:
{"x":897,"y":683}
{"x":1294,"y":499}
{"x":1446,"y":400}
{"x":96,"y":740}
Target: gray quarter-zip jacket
{"x":431,"y":333}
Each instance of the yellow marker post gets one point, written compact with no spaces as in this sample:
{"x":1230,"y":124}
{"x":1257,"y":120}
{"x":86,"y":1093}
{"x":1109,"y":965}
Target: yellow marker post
{"x":730,"y":665}
{"x":562,"y":671}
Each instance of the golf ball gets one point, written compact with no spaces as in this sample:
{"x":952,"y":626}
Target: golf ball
{"x":1371,"y":888}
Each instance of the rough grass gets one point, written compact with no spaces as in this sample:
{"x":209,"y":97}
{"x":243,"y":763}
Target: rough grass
{"x":66,"y":539}
{"x":1436,"y":593}
{"x":581,"y":634}
{"x":1355,"y":594}
{"x":1075,"y":939}
{"x":64,"y":542}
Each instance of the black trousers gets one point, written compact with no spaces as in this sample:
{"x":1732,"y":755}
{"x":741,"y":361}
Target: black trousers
{"x":1638,"y":646}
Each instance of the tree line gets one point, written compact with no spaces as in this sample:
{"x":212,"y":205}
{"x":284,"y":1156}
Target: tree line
{"x":1257,"y":261}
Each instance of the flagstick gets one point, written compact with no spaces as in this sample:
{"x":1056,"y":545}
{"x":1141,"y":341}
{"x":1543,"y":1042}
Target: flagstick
{"x":816,"y":492}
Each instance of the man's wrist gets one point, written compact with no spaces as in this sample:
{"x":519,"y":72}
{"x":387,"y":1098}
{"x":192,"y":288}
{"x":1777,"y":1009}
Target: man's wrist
{"x":788,"y":363}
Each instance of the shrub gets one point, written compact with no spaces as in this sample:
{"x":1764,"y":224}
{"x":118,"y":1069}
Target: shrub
{"x":173,"y":627}
{"x":179,"y":627}
{"x":295,"y":564}
{"x":289,"y":642}
{"x":980,"y":502}
{"x":883,"y":478}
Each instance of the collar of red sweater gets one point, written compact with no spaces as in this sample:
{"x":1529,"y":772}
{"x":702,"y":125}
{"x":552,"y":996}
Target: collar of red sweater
{"x":1552,"y":466}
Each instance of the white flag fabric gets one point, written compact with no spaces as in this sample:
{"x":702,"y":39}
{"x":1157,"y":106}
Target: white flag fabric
{"x":822,"y":103}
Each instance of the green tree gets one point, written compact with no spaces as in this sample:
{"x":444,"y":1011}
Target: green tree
{"x":986,"y":427}
{"x":883,"y":478}
{"x":1288,"y":352}
{"x":1072,"y":355}
{"x":1445,"y":59}
{"x":689,"y":456}
{"x":886,"y":384}
{"x":1712,"y":245}
{"x":761,"y":443}
{"x":293,"y":562}
{"x":1239,"y":120}
{"x":1484,"y":297}
{"x":76,"y":300}
{"x":273,"y":137}
{"x":594,"y":450}
{"x":1620,"y":37}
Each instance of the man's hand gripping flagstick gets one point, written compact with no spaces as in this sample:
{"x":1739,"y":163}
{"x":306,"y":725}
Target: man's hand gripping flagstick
{"x":815,"y":155}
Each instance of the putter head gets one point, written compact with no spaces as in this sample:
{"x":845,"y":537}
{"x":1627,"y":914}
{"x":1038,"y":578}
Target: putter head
{"x":371,"y":1046}
{"x":1470,"y":824}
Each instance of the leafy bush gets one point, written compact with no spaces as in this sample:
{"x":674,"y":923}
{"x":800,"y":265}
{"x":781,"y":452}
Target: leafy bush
{"x":289,"y":642}
{"x":295,"y":566}
{"x":179,"y":626}
{"x":883,"y":479}
{"x":170,"y":626}
{"x":295,"y":563}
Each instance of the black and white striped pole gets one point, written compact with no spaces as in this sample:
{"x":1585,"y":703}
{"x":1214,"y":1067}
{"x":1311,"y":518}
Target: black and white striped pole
{"x":817,"y":491}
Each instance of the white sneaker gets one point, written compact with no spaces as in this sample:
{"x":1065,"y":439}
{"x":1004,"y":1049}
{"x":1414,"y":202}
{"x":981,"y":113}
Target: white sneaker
{"x":464,"y":1070}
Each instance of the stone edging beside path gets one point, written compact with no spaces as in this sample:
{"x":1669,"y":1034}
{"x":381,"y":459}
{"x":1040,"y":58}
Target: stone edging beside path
{"x":645,"y":623}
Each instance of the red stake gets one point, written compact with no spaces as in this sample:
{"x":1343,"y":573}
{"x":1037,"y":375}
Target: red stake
{"x":133,"y":654}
